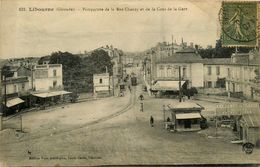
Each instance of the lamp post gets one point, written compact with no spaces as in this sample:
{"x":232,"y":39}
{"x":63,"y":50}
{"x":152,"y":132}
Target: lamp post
{"x":5,"y":98}
{"x":21,"y":121}
{"x":164,"y":113}
{"x":180,"y":93}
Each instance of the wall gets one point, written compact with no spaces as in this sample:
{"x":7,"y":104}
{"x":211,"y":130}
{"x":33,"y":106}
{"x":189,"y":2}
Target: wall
{"x":16,"y":87}
{"x":194,"y":72}
{"x":223,"y":71}
{"x":197,"y":75}
{"x":104,"y":86}
{"x":240,"y":80}
{"x":44,"y":78}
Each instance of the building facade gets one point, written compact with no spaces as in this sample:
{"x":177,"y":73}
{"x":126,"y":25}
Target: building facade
{"x":47,"y":77}
{"x":215,"y":72}
{"x":243,"y":75}
{"x":186,"y":63}
{"x":101,"y":83}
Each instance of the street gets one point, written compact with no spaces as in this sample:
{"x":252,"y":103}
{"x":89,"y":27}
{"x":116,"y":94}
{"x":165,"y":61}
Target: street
{"x":114,"y":131}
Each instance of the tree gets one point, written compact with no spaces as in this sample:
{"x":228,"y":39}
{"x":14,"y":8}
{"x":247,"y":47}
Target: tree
{"x":98,"y":62}
{"x":6,"y":71}
{"x":221,"y":52}
{"x":71,"y":67}
{"x":78,"y":72}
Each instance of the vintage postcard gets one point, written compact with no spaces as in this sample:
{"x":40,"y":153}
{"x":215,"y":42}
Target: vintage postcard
{"x":120,"y":82}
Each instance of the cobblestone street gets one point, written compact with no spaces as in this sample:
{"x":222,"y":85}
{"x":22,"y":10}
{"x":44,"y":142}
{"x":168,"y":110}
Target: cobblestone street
{"x":123,"y":139}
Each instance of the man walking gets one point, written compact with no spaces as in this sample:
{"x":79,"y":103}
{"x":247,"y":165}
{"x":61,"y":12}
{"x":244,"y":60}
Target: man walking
{"x":151,"y":121}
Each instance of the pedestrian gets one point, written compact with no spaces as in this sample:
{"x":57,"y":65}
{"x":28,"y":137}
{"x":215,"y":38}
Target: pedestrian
{"x":151,"y":121}
{"x":141,"y":97}
{"x":142,"y":107}
{"x":129,"y":88}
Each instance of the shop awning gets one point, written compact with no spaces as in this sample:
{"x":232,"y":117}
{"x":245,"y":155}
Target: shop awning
{"x":167,"y":85}
{"x":50,"y":94}
{"x":188,"y":116}
{"x":13,"y":102}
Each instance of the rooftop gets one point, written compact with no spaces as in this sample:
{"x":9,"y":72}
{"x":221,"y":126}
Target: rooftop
{"x":187,"y":55}
{"x":217,"y":61}
{"x":251,"y":58}
{"x":187,"y":106}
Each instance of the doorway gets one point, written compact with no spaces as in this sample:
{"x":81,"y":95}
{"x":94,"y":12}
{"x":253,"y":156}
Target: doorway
{"x":187,"y":123}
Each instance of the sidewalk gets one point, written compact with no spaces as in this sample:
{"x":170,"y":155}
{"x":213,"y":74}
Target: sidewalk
{"x":82,"y":98}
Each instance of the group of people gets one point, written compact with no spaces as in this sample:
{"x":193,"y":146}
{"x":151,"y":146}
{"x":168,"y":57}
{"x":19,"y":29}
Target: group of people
{"x":141,"y":98}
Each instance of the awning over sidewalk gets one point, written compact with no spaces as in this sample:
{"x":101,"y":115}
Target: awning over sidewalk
{"x":13,"y":102}
{"x":188,"y":115}
{"x":50,"y":94}
{"x":167,"y":85}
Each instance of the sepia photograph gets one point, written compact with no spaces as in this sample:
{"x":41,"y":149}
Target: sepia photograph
{"x":129,"y":83}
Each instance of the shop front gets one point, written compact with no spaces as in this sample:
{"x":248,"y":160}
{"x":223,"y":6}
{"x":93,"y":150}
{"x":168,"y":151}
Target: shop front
{"x":186,"y":116}
{"x":188,"y":121}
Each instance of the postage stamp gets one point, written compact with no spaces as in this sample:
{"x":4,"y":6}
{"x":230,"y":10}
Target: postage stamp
{"x":239,"y":21}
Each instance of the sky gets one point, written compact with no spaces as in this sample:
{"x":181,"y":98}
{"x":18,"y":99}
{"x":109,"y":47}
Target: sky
{"x":39,"y":33}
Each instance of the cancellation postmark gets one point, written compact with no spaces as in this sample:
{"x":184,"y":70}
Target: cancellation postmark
{"x":239,"y":24}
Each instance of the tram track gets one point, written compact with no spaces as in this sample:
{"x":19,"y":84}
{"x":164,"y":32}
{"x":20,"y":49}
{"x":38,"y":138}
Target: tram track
{"x":129,"y":105}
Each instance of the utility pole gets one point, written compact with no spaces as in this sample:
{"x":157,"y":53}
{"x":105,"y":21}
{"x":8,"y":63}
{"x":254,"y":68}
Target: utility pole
{"x":172,"y":44}
{"x":151,"y":67}
{"x":5,"y":102}
{"x":164,"y":113}
{"x":21,"y":125}
{"x":113,"y":85}
{"x":180,"y":93}
{"x":216,"y":124}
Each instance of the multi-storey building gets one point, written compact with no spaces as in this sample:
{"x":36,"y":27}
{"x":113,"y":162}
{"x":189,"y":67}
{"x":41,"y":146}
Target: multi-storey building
{"x":164,"y":49}
{"x":215,"y":72}
{"x":243,"y":75}
{"x":47,"y":77}
{"x":186,"y":64}
{"x":16,"y":87}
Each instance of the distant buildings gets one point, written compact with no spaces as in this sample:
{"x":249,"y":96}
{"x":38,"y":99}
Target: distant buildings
{"x":238,"y":76}
{"x":25,"y":62}
{"x":44,"y":60}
